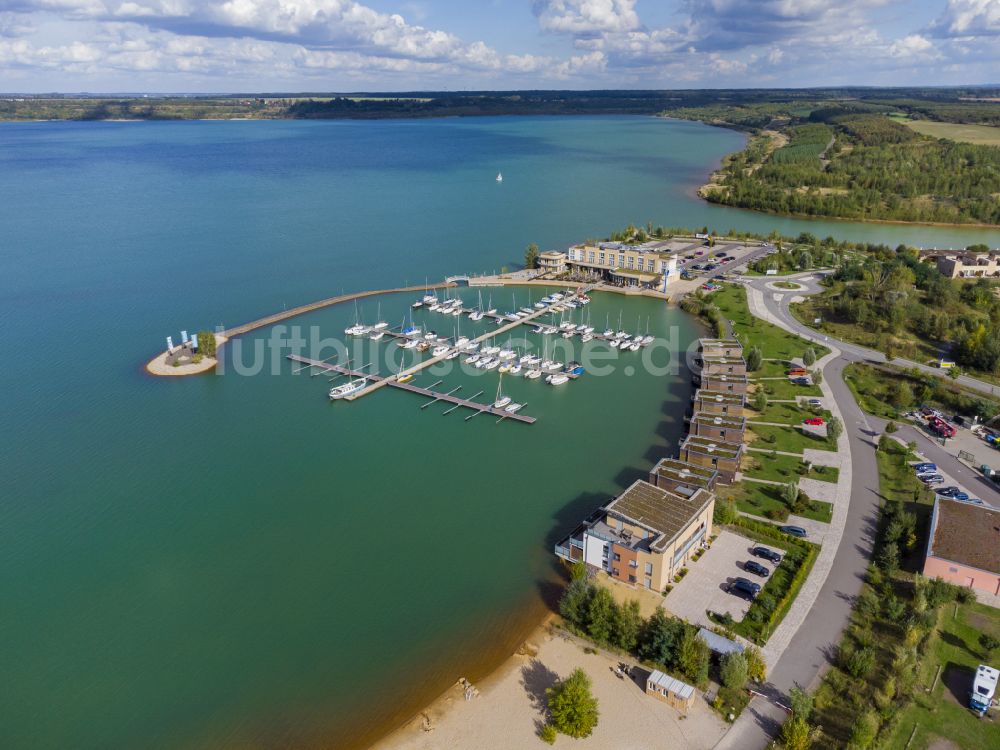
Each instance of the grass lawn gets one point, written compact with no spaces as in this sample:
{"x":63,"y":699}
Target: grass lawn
{"x":788,"y":439}
{"x":941,"y":713}
{"x":829,"y":474}
{"x":777,"y":468}
{"x":789,"y":414}
{"x":774,"y":342}
{"x":760,"y":499}
{"x":771,"y":368}
{"x":787,"y":285}
{"x":785,"y":390}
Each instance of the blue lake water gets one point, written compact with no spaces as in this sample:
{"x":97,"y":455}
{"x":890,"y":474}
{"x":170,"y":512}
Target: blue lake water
{"x":230,"y":560}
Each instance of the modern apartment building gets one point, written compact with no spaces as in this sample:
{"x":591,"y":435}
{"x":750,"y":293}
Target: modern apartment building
{"x":644,"y":536}
{"x":969,"y":265}
{"x":723,"y":366}
{"x":718,"y":427}
{"x":720,"y":402}
{"x":720,"y":348}
{"x":676,"y":476}
{"x":724,"y":383}
{"x":552,"y":261}
{"x":713,"y":454}
{"x":651,"y":265}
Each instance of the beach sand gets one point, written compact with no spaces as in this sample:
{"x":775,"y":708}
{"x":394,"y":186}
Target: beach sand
{"x":158,"y":365}
{"x":508,"y":712}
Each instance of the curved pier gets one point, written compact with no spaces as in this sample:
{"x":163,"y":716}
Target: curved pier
{"x":157,"y":365}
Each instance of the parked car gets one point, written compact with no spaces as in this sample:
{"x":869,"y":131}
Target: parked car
{"x":752,"y":566}
{"x":924,"y":467}
{"x":794,"y":531}
{"x":815,"y":421}
{"x":948,"y":491}
{"x":745,"y":588}
{"x":931,"y":478}
{"x":767,"y":554}
{"x":802,"y":381}
{"x":815,"y":402}
{"x":960,"y":496}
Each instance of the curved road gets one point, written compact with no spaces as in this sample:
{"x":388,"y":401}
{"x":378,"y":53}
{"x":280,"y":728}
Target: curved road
{"x":811,"y":650}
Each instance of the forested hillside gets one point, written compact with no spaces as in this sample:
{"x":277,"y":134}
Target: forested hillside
{"x":853,"y":161}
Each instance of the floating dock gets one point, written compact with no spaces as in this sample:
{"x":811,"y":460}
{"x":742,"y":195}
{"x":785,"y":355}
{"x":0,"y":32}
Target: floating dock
{"x":436,"y":396}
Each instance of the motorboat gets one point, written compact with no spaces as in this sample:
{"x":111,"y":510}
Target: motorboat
{"x":453,"y":354}
{"x":472,"y":346}
{"x":635,"y":345}
{"x":418,"y":303}
{"x":614,"y":343}
{"x":405,"y":378}
{"x":581,"y":328}
{"x":513,"y":408}
{"x":556,"y":365}
{"x":534,"y":361}
{"x":439,"y":350}
{"x":376,"y":335}
{"x":461,"y":341}
{"x":568,"y":334}
{"x":494,"y":364}
{"x":429,"y":299}
{"x":532,"y":374}
{"x":430,"y":335}
{"x":587,"y":337}
{"x":507,"y":354}
{"x":491,"y":350}
{"x":434,"y":306}
{"x":524,"y":358}
{"x":410,"y":344}
{"x":476,"y":315}
{"x":557,"y":378}
{"x":354,"y":330}
{"x":343,"y":391}
{"x":472,"y":359}
{"x":608,"y":333}
{"x":456,"y":310}
{"x":647,"y":340}
{"x":528,"y":310}
{"x":574,"y":368}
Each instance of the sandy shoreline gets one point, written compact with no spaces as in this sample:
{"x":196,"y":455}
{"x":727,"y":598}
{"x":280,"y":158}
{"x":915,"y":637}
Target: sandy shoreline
{"x":508,"y":710}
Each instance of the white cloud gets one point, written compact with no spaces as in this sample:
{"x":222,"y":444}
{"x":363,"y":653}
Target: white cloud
{"x":968,"y":18}
{"x":913,"y":45}
{"x":586,"y":17}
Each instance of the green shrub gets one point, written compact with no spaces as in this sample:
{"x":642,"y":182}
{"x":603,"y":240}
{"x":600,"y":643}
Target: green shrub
{"x":572,"y":706}
{"x":548,"y":734}
{"x":734,"y":670}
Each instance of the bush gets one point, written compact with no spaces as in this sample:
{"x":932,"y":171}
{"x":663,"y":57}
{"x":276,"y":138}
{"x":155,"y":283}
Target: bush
{"x":860,"y":663}
{"x":734,"y":670}
{"x":548,"y":734}
{"x":865,"y":730}
{"x":572,"y":706}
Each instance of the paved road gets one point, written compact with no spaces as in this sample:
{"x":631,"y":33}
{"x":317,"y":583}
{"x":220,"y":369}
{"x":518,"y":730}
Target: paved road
{"x":811,"y":649}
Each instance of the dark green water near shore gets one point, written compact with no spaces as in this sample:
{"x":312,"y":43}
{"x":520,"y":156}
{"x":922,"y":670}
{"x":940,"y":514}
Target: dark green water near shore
{"x":230,"y":560}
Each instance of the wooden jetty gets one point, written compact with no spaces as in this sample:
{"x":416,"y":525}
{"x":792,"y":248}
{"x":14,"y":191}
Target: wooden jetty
{"x":450,"y":398}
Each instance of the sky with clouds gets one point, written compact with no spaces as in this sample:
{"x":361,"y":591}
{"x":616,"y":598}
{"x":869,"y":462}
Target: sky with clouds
{"x":387,"y":45}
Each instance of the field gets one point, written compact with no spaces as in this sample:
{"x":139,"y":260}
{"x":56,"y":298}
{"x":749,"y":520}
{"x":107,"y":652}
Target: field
{"x":981,"y":135}
{"x":765,"y":500}
{"x":940,"y":713}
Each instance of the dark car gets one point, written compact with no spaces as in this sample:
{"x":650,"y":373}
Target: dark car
{"x":752,"y":566}
{"x":767,"y":554}
{"x":745,"y":588}
{"x":948,"y":491}
{"x":794,"y":531}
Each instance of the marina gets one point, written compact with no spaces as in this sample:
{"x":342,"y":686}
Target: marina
{"x":435,"y":396}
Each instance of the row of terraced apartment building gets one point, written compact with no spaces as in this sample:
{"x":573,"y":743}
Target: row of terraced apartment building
{"x":645,"y":535}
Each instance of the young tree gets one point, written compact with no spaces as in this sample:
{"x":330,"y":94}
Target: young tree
{"x":660,"y":639}
{"x":572,"y":706}
{"x":601,"y":615}
{"x":576,"y":601}
{"x":834,"y":428}
{"x":734,"y":670}
{"x":808,"y":356}
{"x":759,"y":400}
{"x":817,"y":376}
{"x":692,"y":656}
{"x":531,"y":256}
{"x":627,"y":624}
{"x":796,"y":734}
{"x":755,"y":358}
{"x":756,"y":668}
{"x":801,"y":703}
{"x":790,"y":493}
{"x":206,"y":343}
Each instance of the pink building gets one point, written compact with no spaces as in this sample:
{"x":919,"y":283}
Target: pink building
{"x":964,"y":545}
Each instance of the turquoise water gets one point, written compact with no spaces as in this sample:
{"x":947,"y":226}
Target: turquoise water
{"x":231,"y":560}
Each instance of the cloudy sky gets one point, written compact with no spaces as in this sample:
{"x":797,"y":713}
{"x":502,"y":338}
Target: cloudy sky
{"x":343,"y":45}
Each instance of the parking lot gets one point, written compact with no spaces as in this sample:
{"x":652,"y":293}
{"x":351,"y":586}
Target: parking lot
{"x":705,"y":585}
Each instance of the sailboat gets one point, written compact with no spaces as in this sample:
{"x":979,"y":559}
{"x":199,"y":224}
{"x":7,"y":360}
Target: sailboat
{"x":608,"y":333}
{"x":499,"y":176}
{"x":477,"y":314}
{"x":501,"y":400}
{"x":490,"y":310}
{"x":381,"y":323}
